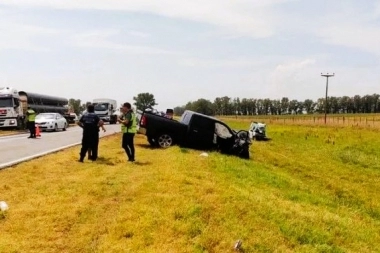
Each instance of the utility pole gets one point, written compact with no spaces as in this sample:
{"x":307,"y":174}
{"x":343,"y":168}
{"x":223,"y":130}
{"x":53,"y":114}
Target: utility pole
{"x":327,"y":88}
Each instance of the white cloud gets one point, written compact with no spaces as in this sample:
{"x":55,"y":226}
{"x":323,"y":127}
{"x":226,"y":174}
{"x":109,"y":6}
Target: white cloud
{"x":289,"y":78}
{"x":102,"y":39}
{"x":249,"y":18}
{"x":19,"y":36}
{"x":293,"y":67}
{"x":362,"y":36}
{"x":353,"y":27}
{"x":139,"y":34}
{"x":213,"y":63}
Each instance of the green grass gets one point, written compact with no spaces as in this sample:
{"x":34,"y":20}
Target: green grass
{"x":317,"y":115}
{"x":311,"y":189}
{"x":333,"y":120}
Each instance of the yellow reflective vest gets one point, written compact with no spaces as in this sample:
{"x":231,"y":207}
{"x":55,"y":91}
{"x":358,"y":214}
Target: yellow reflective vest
{"x":132,"y":128}
{"x":31,"y":115}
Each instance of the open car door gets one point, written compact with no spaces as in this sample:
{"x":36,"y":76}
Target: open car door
{"x":225,"y":138}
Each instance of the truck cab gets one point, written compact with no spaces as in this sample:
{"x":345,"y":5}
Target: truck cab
{"x":11,"y":113}
{"x":106,"y":109}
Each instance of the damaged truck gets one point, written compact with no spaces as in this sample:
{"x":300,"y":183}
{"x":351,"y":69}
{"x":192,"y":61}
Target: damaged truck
{"x":194,"y":130}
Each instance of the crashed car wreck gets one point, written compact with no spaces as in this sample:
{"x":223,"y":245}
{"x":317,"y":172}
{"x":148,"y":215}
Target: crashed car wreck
{"x":194,"y":130}
{"x":257,"y":131}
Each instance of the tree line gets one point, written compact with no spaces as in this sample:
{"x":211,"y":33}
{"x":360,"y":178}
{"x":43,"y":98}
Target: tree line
{"x":250,"y":106}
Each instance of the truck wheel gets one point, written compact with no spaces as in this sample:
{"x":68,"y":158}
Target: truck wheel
{"x":164,"y":140}
{"x":19,"y":125}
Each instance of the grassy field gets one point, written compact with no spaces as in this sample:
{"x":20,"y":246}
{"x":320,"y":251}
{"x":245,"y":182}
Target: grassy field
{"x":336,"y":120}
{"x":311,"y":189}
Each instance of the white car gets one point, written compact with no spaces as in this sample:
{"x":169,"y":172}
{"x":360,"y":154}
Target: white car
{"x":51,"y":122}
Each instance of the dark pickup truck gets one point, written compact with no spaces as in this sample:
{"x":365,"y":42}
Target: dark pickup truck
{"x":194,"y":130}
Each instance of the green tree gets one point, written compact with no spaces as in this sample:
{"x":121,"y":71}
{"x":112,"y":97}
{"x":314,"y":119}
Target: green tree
{"x":376,"y":102}
{"x":218,"y":106}
{"x":202,"y":105}
{"x":275,"y":107}
{"x":179,"y":110}
{"x":144,"y":101}
{"x":333,"y":105}
{"x":75,"y":105}
{"x":357,"y":104}
{"x":284,"y":105}
{"x":308,"y":106}
{"x":244,"y":106}
{"x":267,"y":106}
{"x":226,"y":106}
{"x":252,"y":106}
{"x":83,"y":107}
{"x":260,"y":106}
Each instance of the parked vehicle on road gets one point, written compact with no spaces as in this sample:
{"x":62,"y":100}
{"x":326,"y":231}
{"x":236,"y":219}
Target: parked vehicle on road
{"x":11,"y":113}
{"x":194,"y":130}
{"x":72,"y":118}
{"x":14,"y":104}
{"x":106,"y":109}
{"x":51,"y":122}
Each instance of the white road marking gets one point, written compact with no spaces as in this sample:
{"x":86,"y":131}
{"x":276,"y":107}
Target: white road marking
{"x":23,"y":136}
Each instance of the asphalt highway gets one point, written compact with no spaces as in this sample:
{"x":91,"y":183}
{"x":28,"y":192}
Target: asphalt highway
{"x":18,"y":148}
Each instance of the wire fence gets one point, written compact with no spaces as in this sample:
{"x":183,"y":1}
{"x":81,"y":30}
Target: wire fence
{"x":360,"y":121}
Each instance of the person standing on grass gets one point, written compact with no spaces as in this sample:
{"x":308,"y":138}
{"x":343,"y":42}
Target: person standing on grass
{"x":90,"y":122}
{"x":128,"y":128}
{"x":31,"y":118}
{"x":89,"y":152}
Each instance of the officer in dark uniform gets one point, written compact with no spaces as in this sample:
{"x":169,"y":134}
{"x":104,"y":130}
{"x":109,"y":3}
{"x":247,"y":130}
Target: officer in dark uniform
{"x":90,"y":124}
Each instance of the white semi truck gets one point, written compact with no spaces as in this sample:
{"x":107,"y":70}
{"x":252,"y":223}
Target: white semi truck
{"x":11,"y":111}
{"x":14,"y":104}
{"x":106,"y":109}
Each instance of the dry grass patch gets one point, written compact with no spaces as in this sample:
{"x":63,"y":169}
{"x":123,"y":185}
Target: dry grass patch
{"x":11,"y":132}
{"x":295,"y":195}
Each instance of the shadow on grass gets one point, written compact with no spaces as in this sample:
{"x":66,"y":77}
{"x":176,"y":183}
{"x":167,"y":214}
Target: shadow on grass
{"x":138,"y":163}
{"x":263,"y":140}
{"x":146,"y":146}
{"x":106,"y":161}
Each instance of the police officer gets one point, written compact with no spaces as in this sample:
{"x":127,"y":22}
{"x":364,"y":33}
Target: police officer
{"x":31,"y":124}
{"x":128,"y":128}
{"x":90,"y":123}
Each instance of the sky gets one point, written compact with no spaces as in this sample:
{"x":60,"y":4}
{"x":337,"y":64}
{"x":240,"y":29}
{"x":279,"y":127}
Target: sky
{"x":182,"y":50}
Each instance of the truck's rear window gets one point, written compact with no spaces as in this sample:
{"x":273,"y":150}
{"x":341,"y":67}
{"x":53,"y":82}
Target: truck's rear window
{"x":186,"y":118}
